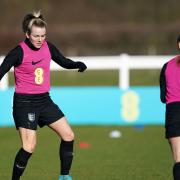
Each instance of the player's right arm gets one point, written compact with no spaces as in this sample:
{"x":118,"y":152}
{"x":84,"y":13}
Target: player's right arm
{"x":163,"y":84}
{"x":13,"y":58}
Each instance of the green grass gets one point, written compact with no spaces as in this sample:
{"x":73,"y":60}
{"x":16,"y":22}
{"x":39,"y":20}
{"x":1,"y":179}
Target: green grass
{"x":101,"y":78}
{"x":137,"y":155}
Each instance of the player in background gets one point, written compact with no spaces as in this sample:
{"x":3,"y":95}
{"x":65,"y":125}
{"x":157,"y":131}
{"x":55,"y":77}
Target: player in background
{"x":170,"y":94}
{"x":32,"y":104}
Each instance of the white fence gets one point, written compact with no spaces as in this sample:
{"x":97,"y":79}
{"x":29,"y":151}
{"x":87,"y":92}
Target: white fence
{"x":123,"y":63}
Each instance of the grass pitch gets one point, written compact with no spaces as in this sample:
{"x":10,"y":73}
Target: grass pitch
{"x":100,"y":78}
{"x":139,"y":154}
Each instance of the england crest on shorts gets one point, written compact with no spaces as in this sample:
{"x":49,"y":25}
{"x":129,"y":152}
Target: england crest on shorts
{"x":31,"y":117}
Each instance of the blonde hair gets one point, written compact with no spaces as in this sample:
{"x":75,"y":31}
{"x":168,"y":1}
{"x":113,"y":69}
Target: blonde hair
{"x":33,"y":19}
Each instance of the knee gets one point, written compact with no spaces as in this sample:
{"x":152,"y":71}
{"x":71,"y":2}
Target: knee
{"x":69,"y":136}
{"x":176,"y":155}
{"x":29,"y":147}
{"x":176,"y":158}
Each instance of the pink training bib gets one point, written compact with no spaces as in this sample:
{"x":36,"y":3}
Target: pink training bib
{"x":33,"y":75}
{"x":172,"y":74}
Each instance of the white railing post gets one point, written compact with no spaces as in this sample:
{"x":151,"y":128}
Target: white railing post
{"x":124,"y":72}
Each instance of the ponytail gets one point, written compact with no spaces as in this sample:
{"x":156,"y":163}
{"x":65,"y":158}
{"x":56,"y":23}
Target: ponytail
{"x":31,"y":19}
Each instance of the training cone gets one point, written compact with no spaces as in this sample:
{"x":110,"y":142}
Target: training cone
{"x":84,"y":145}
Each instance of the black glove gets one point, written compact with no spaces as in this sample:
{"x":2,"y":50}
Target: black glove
{"x":81,"y":66}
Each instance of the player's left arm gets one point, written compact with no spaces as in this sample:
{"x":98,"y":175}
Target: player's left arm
{"x":63,"y":61}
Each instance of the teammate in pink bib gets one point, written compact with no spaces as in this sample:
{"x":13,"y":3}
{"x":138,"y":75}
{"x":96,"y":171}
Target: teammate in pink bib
{"x":170,"y":94}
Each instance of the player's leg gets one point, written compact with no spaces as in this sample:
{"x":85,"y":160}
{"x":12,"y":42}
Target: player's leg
{"x":52,"y":116}
{"x":28,"y":140}
{"x":175,"y":146}
{"x":64,"y":131}
{"x":172,"y":126}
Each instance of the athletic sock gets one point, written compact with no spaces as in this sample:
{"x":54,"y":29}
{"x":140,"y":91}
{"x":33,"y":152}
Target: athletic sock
{"x":20,"y":163}
{"x":176,"y":171}
{"x":66,"y":156}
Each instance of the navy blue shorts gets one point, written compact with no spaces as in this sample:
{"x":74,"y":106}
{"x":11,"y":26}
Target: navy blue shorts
{"x":31,"y":110}
{"x":172,"y":124}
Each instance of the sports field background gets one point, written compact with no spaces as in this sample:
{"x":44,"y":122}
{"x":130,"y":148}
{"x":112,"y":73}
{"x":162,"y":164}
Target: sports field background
{"x":141,"y":153}
{"x":101,"y":78}
{"x":89,"y":28}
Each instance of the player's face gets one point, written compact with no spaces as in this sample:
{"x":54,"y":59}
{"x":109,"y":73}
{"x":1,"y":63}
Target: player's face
{"x":37,"y":36}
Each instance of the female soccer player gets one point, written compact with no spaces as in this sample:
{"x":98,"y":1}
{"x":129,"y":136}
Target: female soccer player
{"x":32,"y":103}
{"x":170,"y":94}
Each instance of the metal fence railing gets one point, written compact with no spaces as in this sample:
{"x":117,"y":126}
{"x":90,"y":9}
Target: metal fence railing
{"x":123,"y":63}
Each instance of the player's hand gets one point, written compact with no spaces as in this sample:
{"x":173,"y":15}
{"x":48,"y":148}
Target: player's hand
{"x":81,"y":66}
